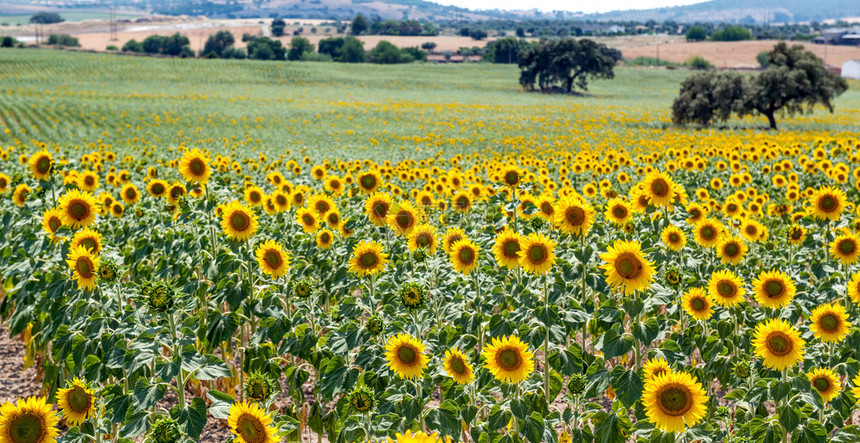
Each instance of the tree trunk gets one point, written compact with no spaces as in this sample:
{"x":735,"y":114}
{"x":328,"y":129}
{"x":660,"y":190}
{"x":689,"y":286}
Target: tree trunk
{"x":569,"y":84}
{"x":770,"y":119}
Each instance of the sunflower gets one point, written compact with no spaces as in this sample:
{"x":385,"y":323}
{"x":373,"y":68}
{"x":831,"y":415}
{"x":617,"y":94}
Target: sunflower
{"x":674,"y":400}
{"x":84,"y":265}
{"x":308,"y":220}
{"x":508,"y":359}
{"x":660,"y":188}
{"x":617,"y":211}
{"x":129,"y":194}
{"x":708,"y":232}
{"x":367,"y":259}
{"x":320,"y":205}
{"x":464,"y":256}
{"x":458,"y":367}
{"x":79,"y":209}
{"x":507,"y":248}
{"x":773,"y":289}
{"x":423,"y":237}
{"x":402,"y":218}
{"x":250,"y":424}
{"x":673,"y":238}
{"x":361,"y":400}
{"x":116,"y":209}
{"x":418,"y":437}
{"x":41,"y":164}
{"x":89,"y":239}
{"x":698,"y":304}
{"x":854,"y":288}
{"x":827,"y":203}
{"x":405,"y":356}
{"x":536,"y":253}
{"x":626,"y":267}
{"x":726,"y":288}
{"x":253,"y":195}
{"x":238,"y":221}
{"x":194,"y":166}
{"x":77,"y":402}
{"x":830,"y":322}
{"x":376,"y":208}
{"x":453,"y":235}
{"x":21,"y":193}
{"x":4,"y":183}
{"x":52,"y":221}
{"x":324,"y":239}
{"x":574,"y":215}
{"x":731,"y":250}
{"x":272,"y":258}
{"x":846,"y":247}
{"x":778,"y":344}
{"x":856,"y":390}
{"x":30,"y":421}
{"x":511,"y":175}
{"x":175,"y":192}
{"x":796,"y":235}
{"x":334,"y":185}
{"x":157,"y":188}
{"x":655,"y":367}
{"x":367,"y":181}
{"x":461,"y":201}
{"x":826,"y":382}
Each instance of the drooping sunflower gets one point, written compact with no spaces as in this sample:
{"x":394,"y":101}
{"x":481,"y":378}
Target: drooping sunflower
{"x":361,"y":399}
{"x":508,"y":359}
{"x":655,"y":367}
{"x":457,"y":366}
{"x":28,"y":421}
{"x":829,"y":322}
{"x":627,"y":267}
{"x":367,"y":259}
{"x":673,"y":238}
{"x":453,"y":235}
{"x":726,"y":288}
{"x":272,"y":258}
{"x":464,"y":256}
{"x":854,"y":288}
{"x":41,"y":165}
{"x":405,"y":356}
{"x":674,"y":400}
{"x":507,"y":248}
{"x":77,"y":402}
{"x":731,"y":250}
{"x":376,"y":208}
{"x":238,"y":221}
{"x":413,"y":295}
{"x":827,"y":203}
{"x":423,"y":237}
{"x":778,"y":344}
{"x":660,"y":188}
{"x":79,"y":209}
{"x":89,"y":239}
{"x":536,"y":253}
{"x":846,"y":248}
{"x":617,"y":211}
{"x":826,"y":382}
{"x":698,"y":304}
{"x":194,"y":166}
{"x":774,"y":289}
{"x":52,"y":221}
{"x":402,"y":218}
{"x":324,"y":238}
{"x":83,"y":264}
{"x":708,"y":232}
{"x":250,"y":424}
{"x":574,"y":215}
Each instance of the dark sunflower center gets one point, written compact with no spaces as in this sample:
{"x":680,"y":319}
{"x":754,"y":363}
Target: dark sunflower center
{"x":732,"y":249}
{"x":795,"y":234}
{"x":675,"y":401}
{"x":462,"y":202}
{"x":90,"y":243}
{"x":732,"y":207}
{"x":619,"y":211}
{"x":508,"y":359}
{"x":308,"y":219}
{"x":546,"y":208}
{"x":258,"y":389}
{"x":84,"y":267}
{"x":79,"y":209}
{"x":708,"y":232}
{"x":423,"y":240}
{"x":361,"y":401}
{"x":725,"y":288}
{"x":779,"y":344}
{"x":674,"y":238}
{"x":256,"y":196}
{"x":698,"y":304}
{"x":176,"y":192}
{"x":404,"y":219}
{"x":380,"y":209}
{"x":454,"y":239}
{"x":751,"y":230}
{"x":26,"y":428}
{"x":774,"y":288}
{"x":457,"y":365}
{"x":240,"y":221}
{"x":273,"y":259}
{"x":130,"y":194}
{"x":368,"y":260}
{"x":847,"y":246}
{"x":538,"y":254}
{"x":829,"y":322}
{"x":43,"y":165}
{"x":281,"y":200}
{"x":368,"y":182}
{"x":322,"y":207}
{"x":827,"y":203}
{"x":54,"y":223}
{"x":510,"y":248}
{"x":660,"y":187}
{"x":467,"y":255}
{"x":407,"y":355}
{"x":251,"y":429}
{"x":628,"y":265}
{"x":158,"y":189}
{"x":79,"y":400}
{"x":575,"y":216}
{"x":695,"y":213}
{"x":197,"y":166}
{"x":512,"y":178}
{"x":822,"y":384}
{"x":325,"y":238}
{"x":89,"y":180}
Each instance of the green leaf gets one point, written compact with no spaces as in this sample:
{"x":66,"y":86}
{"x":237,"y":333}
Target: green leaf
{"x":147,"y":395}
{"x":810,"y":431}
{"x":196,"y":418}
{"x":766,"y":431}
{"x":627,"y":384}
{"x":447,"y":418}
{"x":647,"y":331}
{"x":533,"y":427}
{"x":613,"y":343}
{"x":789,"y":417}
{"x":221,"y":402}
{"x":566,"y":361}
{"x":136,"y":426}
{"x":610,"y":428}
{"x":499,"y":418}
{"x":848,"y":434}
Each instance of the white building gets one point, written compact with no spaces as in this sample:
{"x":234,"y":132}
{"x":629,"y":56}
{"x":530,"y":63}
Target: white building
{"x":851,"y":69}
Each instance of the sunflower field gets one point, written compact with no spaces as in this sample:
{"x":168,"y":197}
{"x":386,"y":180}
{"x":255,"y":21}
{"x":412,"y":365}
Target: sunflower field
{"x":276,"y":265}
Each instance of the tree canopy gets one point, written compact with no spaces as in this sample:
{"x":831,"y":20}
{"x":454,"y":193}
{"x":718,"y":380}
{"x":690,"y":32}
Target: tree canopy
{"x":567,"y":62}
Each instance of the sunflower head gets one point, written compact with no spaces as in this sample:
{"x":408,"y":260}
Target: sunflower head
{"x":673,"y":277}
{"x":165,"y":430}
{"x":405,"y":356}
{"x":41,"y":165}
{"x":829,"y":322}
{"x":674,"y":400}
{"x":30,"y":420}
{"x":457,"y":366}
{"x":361,"y":399}
{"x":508,"y":359}
{"x":159,"y":296}
{"x":742,"y":369}
{"x":778,"y":344}
{"x":367,"y":259}
{"x":375,"y":325}
{"x":576,"y":385}
{"x":108,"y":270}
{"x":303,"y":288}
{"x":250,"y":424}
{"x":77,"y":402}
{"x":826,"y":382}
{"x":259,"y":387}
{"x":774,"y":289}
{"x":413,"y":295}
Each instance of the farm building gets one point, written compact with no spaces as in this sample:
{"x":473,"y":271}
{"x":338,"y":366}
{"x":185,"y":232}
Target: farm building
{"x":839,"y":36}
{"x":851,"y":69}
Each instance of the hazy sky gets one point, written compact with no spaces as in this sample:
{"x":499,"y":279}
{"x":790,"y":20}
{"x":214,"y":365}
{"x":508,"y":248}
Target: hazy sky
{"x":566,"y":5}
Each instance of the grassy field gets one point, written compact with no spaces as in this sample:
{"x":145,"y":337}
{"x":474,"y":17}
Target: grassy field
{"x":76,"y":99}
{"x":71,"y":16}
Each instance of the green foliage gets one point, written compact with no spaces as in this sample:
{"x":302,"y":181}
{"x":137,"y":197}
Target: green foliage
{"x":707,"y":96}
{"x":352,"y":51}
{"x":763,"y":59}
{"x":299,"y":46}
{"x":216,"y":44}
{"x":731,"y":34}
{"x":696,"y":34}
{"x":8,"y":42}
{"x":63,"y":40}
{"x":46,"y":18}
{"x":385,"y":53}
{"x":174,"y":45}
{"x":264,"y":48}
{"x":649,"y":61}
{"x":132,"y":46}
{"x":505,"y":50}
{"x":568,"y":62}
{"x":697,"y":62}
{"x":359,"y":25}
{"x":278,"y":26}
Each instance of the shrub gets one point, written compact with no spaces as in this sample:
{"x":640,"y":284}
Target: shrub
{"x":698,"y":62}
{"x":696,"y":34}
{"x":731,"y":34}
{"x":63,"y":40}
{"x":132,"y":46}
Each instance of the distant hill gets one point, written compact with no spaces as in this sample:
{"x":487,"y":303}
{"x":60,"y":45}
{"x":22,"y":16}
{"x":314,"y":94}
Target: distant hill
{"x":742,"y":11}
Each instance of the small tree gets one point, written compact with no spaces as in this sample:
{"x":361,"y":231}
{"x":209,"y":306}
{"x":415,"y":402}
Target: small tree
{"x":428,"y":46}
{"x":132,"y":46}
{"x":696,"y":34}
{"x":332,"y":47}
{"x":299,"y":46}
{"x":359,"y":25}
{"x":352,"y":50}
{"x":697,"y":62}
{"x":386,"y":53}
{"x":264,"y":48}
{"x":505,"y":50}
{"x":567,"y":61}
{"x":278,"y":26}
{"x":477,"y":34}
{"x":709,"y":95}
{"x":63,"y":40}
{"x":46,"y":18}
{"x":762,"y":59}
{"x":217,"y":43}
{"x":731,"y":34}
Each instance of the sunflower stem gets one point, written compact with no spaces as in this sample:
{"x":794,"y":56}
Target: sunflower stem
{"x":478,"y":308}
{"x":545,"y":344}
